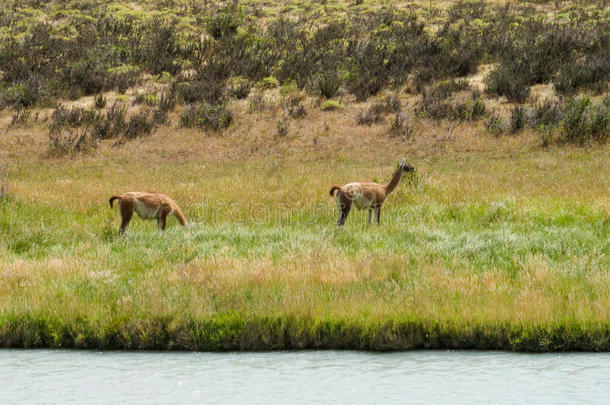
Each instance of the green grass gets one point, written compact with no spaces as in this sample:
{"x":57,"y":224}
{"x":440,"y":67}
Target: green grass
{"x":497,"y":271}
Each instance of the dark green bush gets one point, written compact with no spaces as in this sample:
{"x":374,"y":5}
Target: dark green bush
{"x":111,"y":123}
{"x":548,"y":112}
{"x":167,"y":101}
{"x":239,"y":87}
{"x":472,"y":108}
{"x":584,"y":121}
{"x":224,"y":23}
{"x":139,"y":125}
{"x":503,"y":81}
{"x":100,"y":101}
{"x":328,"y":83}
{"x":206,"y":116}
{"x":494,"y":123}
{"x":72,"y":117}
{"x":71,"y":140}
{"x":520,"y":118}
{"x":374,"y":114}
{"x":590,"y":73}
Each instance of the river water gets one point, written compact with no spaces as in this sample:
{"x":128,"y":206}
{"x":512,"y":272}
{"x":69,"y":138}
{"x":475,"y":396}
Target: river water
{"x":449,"y":377}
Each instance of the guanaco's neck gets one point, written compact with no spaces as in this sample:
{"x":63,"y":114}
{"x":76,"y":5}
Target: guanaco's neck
{"x":394,"y":182}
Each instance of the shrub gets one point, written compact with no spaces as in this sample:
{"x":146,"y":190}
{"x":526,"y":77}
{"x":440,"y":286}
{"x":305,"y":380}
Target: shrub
{"x":519,"y":118}
{"x":100,"y":101}
{"x":328,"y":83}
{"x":239,"y":87}
{"x":158,"y":45}
{"x":111,"y":123}
{"x":199,"y":90}
{"x":69,"y":141}
{"x":446,"y":88}
{"x":400,"y":126}
{"x":258,"y":103}
{"x":72,"y":117}
{"x":330,"y":105}
{"x":573,"y":123}
{"x":584,"y":121}
{"x":293,"y":106}
{"x":433,"y":105}
{"x":20,"y":117}
{"x":494,"y":123}
{"x":282,"y":127}
{"x":548,"y":112}
{"x":471,"y":109}
{"x":437,"y":104}
{"x":503,"y":81}
{"x":139,"y":125}
{"x":389,"y":104}
{"x":369,"y":117}
{"x":25,"y":93}
{"x":288,"y":88}
{"x":268,"y":82}
{"x":224,"y":23}
{"x":206,"y":116}
{"x":167,"y":101}
{"x":148,"y":98}
{"x":587,"y":73}
{"x":546,"y":134}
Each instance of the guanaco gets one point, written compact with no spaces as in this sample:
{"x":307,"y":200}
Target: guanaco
{"x":366,"y":195}
{"x":148,"y":205}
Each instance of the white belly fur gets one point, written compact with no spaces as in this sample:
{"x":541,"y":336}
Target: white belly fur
{"x":146,"y":212}
{"x":358,"y":198}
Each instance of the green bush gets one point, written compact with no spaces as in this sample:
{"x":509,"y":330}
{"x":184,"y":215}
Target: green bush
{"x":520,"y":117}
{"x":239,"y":87}
{"x":268,"y":82}
{"x":206,"y":116}
{"x":503,"y":81}
{"x":328,"y":83}
{"x":330,"y":105}
{"x":224,"y":23}
{"x":584,"y":121}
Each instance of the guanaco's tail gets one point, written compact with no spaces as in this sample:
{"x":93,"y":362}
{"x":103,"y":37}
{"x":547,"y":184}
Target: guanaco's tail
{"x":178,"y":214}
{"x":332,"y":190}
{"x":114,"y":197}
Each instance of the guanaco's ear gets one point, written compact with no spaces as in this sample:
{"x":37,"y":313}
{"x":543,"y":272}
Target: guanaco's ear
{"x":402,"y":162}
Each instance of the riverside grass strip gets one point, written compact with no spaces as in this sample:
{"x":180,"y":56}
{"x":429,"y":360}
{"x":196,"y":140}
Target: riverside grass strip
{"x":235,"y":333}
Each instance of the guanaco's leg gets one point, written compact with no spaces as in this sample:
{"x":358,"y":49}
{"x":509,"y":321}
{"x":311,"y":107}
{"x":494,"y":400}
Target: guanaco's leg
{"x":161,"y":222}
{"x":126,"y":208}
{"x":370,"y":216}
{"x":378,"y":214}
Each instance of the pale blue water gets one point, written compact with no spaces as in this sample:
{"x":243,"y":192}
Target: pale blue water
{"x":456,"y":377}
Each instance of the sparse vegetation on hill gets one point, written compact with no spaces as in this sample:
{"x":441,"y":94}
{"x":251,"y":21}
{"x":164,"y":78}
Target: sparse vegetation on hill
{"x":209,"y":52}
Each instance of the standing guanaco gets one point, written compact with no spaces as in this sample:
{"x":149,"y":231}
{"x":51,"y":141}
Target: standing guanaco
{"x":148,"y":205}
{"x":366,"y":195}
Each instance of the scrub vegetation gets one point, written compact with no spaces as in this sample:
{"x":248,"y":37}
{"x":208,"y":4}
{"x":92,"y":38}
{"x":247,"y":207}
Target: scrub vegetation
{"x":245,"y":113}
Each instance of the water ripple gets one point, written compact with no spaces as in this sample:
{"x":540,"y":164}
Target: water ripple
{"x":456,"y":377}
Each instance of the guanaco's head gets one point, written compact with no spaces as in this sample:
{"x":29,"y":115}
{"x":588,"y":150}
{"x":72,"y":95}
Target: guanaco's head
{"x":406,"y":168}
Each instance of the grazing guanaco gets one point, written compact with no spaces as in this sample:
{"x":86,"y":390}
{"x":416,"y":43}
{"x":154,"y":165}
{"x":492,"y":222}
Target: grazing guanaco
{"x":148,"y":205}
{"x":366,"y":195}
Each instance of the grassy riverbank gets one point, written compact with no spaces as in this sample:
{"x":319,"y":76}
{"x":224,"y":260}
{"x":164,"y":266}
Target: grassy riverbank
{"x":246,"y":115}
{"x":495,"y":243}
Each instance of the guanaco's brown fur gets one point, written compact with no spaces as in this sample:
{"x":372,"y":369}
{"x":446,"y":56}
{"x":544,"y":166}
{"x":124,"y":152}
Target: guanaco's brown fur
{"x":148,"y":205}
{"x":366,"y":195}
